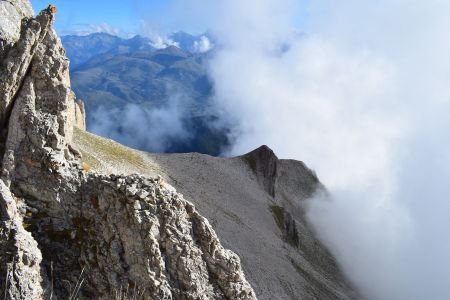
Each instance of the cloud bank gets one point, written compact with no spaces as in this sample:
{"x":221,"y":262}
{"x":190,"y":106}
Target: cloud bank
{"x":362,"y":96}
{"x":158,"y":40}
{"x":148,"y":128}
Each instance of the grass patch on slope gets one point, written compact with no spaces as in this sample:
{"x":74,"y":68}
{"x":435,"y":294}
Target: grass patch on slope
{"x":101,"y":153}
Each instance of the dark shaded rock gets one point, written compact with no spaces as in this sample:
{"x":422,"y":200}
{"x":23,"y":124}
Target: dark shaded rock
{"x":263,"y":162}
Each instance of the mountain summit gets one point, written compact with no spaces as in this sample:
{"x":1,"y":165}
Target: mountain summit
{"x":85,"y":217}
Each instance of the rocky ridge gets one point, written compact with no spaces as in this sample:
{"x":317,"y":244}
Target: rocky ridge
{"x":255,"y":203}
{"x":68,"y":232}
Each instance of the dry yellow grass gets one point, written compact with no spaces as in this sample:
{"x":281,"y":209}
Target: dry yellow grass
{"x":86,"y":167}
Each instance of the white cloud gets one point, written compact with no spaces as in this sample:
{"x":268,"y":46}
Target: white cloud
{"x":148,"y":128}
{"x":161,"y":42}
{"x":158,"y":40}
{"x":363,"y":98}
{"x":202,"y":45}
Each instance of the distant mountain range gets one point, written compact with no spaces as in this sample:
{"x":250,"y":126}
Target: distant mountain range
{"x":81,"y":48}
{"x":134,"y":91}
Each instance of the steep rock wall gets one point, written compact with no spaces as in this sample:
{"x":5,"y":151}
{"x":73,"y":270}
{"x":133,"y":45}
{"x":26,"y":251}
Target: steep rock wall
{"x":70,"y":232}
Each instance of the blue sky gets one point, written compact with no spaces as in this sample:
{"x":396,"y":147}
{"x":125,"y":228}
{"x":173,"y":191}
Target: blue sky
{"x":126,"y":16}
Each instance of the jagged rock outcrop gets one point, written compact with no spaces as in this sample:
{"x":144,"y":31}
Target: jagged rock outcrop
{"x":268,"y":170}
{"x":12,"y":12}
{"x":21,"y":258}
{"x":18,"y":52}
{"x":272,"y":174}
{"x":135,"y":227}
{"x":68,"y":232}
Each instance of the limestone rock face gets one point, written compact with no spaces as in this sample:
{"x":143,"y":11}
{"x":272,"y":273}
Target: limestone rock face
{"x":138,"y":232}
{"x":21,"y":258}
{"x":80,"y":115}
{"x":68,"y":232}
{"x":14,"y":11}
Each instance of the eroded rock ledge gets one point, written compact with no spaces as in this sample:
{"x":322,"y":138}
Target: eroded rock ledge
{"x":64,"y":230}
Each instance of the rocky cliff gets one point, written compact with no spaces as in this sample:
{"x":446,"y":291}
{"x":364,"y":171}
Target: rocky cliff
{"x":69,"y":232}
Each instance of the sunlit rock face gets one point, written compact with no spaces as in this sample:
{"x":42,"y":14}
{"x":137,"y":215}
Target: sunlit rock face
{"x":10,"y":24}
{"x":66,"y":230}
